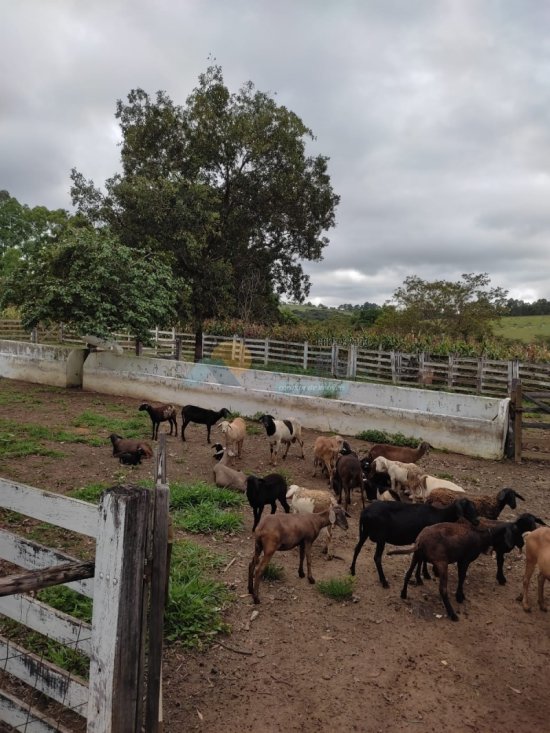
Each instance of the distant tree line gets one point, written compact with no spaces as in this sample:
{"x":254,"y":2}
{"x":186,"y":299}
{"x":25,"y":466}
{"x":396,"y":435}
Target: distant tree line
{"x":540,"y":307}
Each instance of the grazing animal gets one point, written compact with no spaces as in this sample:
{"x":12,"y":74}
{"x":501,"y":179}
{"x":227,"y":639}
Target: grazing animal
{"x":161,"y":413}
{"x":131,"y":458}
{"x":400,"y":473}
{"x":537,"y":555}
{"x":420,"y":487}
{"x":309,"y":501}
{"x":325,"y":453}
{"x":224,"y":475}
{"x":486,"y":505}
{"x":447,"y":543}
{"x":201,"y":416}
{"x":129,"y":445}
{"x":398,"y":523}
{"x":235,"y":433}
{"x":401,"y":453}
{"x":281,"y":432}
{"x":266,"y":490}
{"x":347,"y":475}
{"x":285,"y":531}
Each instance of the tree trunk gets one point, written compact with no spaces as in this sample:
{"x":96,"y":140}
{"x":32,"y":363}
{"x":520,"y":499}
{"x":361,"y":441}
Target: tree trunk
{"x":198,"y":342}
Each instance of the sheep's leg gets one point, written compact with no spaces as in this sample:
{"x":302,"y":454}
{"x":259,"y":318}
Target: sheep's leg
{"x":500,"y":568}
{"x":414,"y":563}
{"x":284,"y":504}
{"x":462,"y":570}
{"x":542,"y":604}
{"x":257,"y":510}
{"x":310,"y":577}
{"x":426,"y":575}
{"x":378,"y":562}
{"x":418,"y":580}
{"x":259,"y":573}
{"x":208,"y":428}
{"x":301,"y":442}
{"x":272,"y":455}
{"x":529,"y":568}
{"x":327,"y":550}
{"x":301,"y":565}
{"x":184,"y":424}
{"x":286,"y":451}
{"x":358,"y":546}
{"x":273,"y":507}
{"x":252,"y":565}
{"x":443,"y":577}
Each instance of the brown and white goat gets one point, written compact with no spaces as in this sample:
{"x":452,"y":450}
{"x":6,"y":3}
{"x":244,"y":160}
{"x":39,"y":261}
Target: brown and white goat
{"x":537,"y":554}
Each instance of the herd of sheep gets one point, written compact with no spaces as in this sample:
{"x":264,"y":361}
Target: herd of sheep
{"x":402,"y":504}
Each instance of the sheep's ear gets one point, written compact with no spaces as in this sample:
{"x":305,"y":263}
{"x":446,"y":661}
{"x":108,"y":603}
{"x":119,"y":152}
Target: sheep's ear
{"x":540,"y":521}
{"x":331,"y":515}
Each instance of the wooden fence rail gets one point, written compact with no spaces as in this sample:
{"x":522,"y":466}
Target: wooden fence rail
{"x":351,"y":361}
{"x":130,"y":529}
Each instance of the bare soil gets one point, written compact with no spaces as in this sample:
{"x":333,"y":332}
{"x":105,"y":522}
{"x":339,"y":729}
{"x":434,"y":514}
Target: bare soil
{"x":307,"y":663}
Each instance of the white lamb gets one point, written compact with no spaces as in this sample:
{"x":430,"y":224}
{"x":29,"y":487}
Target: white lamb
{"x":312,"y":501}
{"x":400,"y":473}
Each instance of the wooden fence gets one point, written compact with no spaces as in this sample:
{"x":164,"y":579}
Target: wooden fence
{"x":350,"y":361}
{"x":124,"y":640}
{"x":529,"y":433}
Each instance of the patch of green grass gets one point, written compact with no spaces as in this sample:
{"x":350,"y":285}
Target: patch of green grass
{"x":528,"y":329}
{"x":130,"y":427}
{"x":443,"y":474}
{"x":193,"y":613}
{"x":90,"y":493}
{"x":339,"y":589}
{"x":330,"y":392}
{"x":16,"y":444}
{"x":202,"y":507}
{"x":68,"y":601}
{"x":273,"y":572}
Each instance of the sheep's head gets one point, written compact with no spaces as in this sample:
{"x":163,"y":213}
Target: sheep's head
{"x":144,"y":406}
{"x":467,"y":510}
{"x":338,"y":516}
{"x":224,"y":426}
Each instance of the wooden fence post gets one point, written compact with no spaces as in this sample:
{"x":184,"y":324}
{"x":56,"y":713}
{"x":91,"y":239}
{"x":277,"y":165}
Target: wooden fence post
{"x":334,"y":359}
{"x":352,"y":361}
{"x":117,"y":624}
{"x":306,"y":350}
{"x":516,"y":413}
{"x":177,"y":348}
{"x":393,"y":362}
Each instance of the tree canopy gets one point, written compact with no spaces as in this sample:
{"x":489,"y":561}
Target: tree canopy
{"x":94,"y":284}
{"x":464,"y":309}
{"x":225,"y":187}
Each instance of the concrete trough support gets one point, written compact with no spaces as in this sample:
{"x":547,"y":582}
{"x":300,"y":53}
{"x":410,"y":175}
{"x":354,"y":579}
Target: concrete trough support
{"x":58,"y":366}
{"x":467,"y":424}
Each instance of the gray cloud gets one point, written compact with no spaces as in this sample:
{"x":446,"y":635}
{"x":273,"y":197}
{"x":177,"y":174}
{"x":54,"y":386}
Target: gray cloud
{"x":435,"y":116}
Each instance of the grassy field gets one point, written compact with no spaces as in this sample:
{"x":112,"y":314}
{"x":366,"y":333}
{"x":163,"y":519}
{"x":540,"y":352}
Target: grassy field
{"x":524,"y":328}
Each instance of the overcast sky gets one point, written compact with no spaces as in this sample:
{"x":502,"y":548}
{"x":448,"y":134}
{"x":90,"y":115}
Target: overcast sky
{"x":435,"y":117}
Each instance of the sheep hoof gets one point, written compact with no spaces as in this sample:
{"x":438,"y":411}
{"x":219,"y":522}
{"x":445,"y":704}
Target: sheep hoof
{"x":385,"y":584}
{"x":312,"y":580}
{"x":544,"y":608}
{"x":301,"y":574}
{"x":454,"y":617}
{"x":501,"y":581}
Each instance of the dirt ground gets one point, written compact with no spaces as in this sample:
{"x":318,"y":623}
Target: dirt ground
{"x":306,"y":663}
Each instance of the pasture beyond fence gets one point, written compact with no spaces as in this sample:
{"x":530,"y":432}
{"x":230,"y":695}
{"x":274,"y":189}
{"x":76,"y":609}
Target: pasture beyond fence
{"x":127,"y":582}
{"x":478,"y":375}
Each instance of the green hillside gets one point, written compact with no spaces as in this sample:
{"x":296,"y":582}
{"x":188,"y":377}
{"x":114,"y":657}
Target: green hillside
{"x":527,"y":329}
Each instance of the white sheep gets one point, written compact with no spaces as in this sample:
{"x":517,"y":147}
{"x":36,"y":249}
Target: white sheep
{"x":400,"y":473}
{"x":421,"y":486}
{"x":235,"y":433}
{"x":310,"y":501}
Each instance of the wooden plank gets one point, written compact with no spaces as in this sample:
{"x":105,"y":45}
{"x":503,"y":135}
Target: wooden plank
{"x":22,"y":717}
{"x":42,"y":618}
{"x":33,"y":556}
{"x":159,"y":580}
{"x":117,"y":616}
{"x":73,"y":514}
{"x":37,"y":579}
{"x":41,"y":675}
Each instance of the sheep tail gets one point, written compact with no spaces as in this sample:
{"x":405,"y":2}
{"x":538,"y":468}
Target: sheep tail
{"x":402,"y":551}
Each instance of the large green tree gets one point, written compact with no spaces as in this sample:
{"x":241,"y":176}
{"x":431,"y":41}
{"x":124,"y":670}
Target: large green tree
{"x":464,"y":309}
{"x":225,"y":186}
{"x":94,"y":284}
{"x":25,"y":231}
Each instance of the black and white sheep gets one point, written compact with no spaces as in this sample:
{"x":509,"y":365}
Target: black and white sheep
{"x":281,"y":432}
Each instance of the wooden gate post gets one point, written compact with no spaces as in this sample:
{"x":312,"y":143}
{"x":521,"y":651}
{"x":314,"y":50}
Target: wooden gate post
{"x":515,"y":422}
{"x":116,"y":659}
